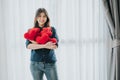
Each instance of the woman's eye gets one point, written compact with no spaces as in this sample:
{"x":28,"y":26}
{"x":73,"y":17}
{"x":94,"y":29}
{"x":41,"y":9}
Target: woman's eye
{"x":39,"y":16}
{"x":44,"y":16}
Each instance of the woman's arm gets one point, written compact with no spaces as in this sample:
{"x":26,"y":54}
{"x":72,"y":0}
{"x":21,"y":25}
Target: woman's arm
{"x":55,"y":35}
{"x":48,"y":45}
{"x":35,"y":46}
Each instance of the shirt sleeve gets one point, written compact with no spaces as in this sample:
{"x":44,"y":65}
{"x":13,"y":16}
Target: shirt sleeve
{"x":55,"y":35}
{"x":27,"y":43}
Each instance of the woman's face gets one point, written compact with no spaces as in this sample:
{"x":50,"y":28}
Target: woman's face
{"x":42,"y":18}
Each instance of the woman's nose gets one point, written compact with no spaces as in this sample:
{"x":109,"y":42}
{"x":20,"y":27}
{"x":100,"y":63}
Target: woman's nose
{"x":42,"y":19}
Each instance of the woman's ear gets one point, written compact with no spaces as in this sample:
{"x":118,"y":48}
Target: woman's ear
{"x":37,"y":20}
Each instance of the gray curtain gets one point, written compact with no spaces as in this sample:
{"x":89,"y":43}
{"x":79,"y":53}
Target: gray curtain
{"x":112,"y":13}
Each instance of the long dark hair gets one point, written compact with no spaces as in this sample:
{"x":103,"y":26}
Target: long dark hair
{"x":41,"y":10}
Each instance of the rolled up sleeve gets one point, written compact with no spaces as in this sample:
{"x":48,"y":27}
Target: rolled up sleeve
{"x":27,"y":43}
{"x":55,"y":35}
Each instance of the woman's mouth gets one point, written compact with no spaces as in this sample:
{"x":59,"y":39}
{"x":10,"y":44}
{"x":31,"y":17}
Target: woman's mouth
{"x":40,"y":21}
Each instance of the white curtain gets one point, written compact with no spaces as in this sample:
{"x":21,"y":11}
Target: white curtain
{"x":84,"y":46}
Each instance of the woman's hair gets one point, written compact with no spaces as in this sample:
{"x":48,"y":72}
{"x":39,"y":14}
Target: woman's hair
{"x":38,"y":12}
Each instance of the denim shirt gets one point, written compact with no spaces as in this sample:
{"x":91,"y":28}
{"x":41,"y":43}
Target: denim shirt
{"x":43,"y":54}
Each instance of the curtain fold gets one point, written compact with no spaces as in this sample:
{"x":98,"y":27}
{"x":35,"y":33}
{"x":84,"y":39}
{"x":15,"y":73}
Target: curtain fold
{"x":112,"y":13}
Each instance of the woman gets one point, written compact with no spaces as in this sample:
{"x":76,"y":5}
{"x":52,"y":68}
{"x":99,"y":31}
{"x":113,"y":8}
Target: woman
{"x":43,"y":57}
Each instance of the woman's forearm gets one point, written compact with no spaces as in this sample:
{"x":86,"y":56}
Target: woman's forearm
{"x":35,"y":46}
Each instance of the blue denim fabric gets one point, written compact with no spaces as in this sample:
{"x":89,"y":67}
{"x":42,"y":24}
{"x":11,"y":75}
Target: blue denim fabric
{"x":38,"y":69}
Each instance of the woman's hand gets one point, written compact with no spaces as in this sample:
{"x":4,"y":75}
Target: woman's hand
{"x":50,"y":45}
{"x":34,"y":42}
